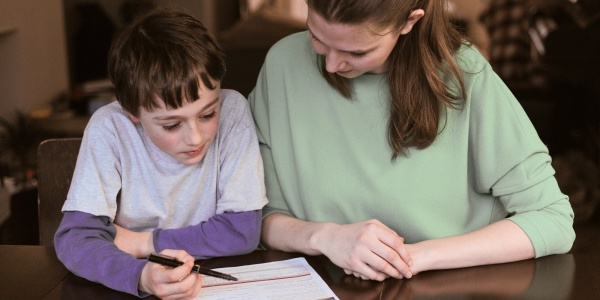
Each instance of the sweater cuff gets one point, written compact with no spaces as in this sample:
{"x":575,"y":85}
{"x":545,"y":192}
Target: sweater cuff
{"x":155,"y":234}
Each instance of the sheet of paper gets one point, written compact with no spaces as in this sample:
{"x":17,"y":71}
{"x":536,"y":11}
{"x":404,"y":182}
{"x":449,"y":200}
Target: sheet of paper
{"x":287,"y":279}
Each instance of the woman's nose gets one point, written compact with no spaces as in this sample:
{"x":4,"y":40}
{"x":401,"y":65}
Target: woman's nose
{"x":333,"y":62}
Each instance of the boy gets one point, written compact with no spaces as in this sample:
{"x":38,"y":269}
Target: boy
{"x":174,"y":164}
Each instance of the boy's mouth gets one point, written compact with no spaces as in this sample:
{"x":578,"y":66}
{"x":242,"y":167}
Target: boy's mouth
{"x":195,"y":152}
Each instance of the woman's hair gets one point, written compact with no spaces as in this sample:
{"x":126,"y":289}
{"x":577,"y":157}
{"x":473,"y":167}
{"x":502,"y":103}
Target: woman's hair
{"x":417,"y":67}
{"x":162,"y":55}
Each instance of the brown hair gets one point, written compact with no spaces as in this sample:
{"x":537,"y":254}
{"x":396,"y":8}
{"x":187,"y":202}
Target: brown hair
{"x":161,"y":56}
{"x":418,"y":64}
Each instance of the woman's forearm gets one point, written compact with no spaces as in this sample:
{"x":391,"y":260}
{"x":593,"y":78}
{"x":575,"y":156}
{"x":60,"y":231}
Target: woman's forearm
{"x":286,"y":233}
{"x":500,"y":242}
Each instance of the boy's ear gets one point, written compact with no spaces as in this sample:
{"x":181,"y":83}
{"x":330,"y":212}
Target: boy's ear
{"x":133,"y":118}
{"x":415,"y":16}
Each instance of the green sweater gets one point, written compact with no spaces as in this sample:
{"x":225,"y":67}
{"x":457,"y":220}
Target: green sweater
{"x":327,"y":158}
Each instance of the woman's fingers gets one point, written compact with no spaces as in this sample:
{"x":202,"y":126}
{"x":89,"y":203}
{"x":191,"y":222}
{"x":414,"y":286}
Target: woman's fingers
{"x":373,"y":251}
{"x":388,"y":252}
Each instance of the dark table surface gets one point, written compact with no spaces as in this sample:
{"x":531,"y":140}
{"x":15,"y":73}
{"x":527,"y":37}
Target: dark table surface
{"x":34,"y":272}
{"x":29,"y":272}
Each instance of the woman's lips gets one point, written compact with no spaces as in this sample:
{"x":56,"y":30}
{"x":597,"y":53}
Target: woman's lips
{"x":343,"y":73}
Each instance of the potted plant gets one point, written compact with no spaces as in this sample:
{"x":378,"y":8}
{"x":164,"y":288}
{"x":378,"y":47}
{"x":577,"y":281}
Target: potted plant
{"x":19,"y":138}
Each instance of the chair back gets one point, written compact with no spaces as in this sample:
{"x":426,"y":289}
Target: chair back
{"x":56,"y":164}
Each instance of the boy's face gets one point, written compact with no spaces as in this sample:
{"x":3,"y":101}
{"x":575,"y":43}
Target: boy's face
{"x":187,"y":132}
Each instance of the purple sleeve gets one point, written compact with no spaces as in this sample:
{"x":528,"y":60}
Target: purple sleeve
{"x":226,"y":234}
{"x":85,"y":245}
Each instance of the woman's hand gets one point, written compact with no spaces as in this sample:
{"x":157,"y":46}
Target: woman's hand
{"x":369,"y":250}
{"x":167,"y":283}
{"x":138,"y":244}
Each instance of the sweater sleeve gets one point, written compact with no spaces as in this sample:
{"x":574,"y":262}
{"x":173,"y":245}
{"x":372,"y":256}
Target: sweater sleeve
{"x":85,"y":245}
{"x":267,"y":84}
{"x":226,"y":234}
{"x":512,"y":162}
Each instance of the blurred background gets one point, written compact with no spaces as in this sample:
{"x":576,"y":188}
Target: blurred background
{"x":53,"y":76}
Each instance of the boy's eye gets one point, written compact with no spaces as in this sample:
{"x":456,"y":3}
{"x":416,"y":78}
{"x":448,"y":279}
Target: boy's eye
{"x":171,"y":127}
{"x":209,"y":116}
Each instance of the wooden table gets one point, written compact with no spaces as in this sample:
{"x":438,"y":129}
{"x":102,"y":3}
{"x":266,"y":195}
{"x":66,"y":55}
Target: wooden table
{"x":34,"y":272}
{"x":29,"y":272}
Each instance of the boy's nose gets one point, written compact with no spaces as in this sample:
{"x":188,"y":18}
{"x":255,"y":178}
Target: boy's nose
{"x":193,"y":135}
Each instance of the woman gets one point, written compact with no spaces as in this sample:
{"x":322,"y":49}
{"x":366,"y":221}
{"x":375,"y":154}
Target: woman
{"x":391,"y":147}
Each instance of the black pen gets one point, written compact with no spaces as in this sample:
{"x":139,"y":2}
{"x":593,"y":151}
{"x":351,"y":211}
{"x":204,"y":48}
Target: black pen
{"x":174,"y":263}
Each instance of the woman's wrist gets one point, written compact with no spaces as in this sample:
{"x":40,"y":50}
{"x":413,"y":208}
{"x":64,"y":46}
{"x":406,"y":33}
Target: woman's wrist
{"x":423,"y":256}
{"x":321,"y":236}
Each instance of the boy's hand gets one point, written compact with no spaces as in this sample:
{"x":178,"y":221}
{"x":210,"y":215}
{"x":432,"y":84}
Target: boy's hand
{"x":171,"y":283}
{"x":138,"y":244}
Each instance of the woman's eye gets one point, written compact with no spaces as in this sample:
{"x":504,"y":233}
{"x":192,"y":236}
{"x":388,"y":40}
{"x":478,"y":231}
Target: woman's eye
{"x":358,"y":54}
{"x":171,"y":127}
{"x":314,"y":38}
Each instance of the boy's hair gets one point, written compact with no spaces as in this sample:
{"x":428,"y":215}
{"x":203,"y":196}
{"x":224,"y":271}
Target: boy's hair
{"x":161,"y":56}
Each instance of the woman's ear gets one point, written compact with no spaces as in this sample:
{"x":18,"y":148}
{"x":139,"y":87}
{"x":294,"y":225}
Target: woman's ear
{"x":133,"y":118}
{"x":415,"y":16}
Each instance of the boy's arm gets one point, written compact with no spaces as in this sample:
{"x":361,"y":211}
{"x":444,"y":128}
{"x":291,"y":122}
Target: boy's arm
{"x":226,"y":234}
{"x":84,"y":243}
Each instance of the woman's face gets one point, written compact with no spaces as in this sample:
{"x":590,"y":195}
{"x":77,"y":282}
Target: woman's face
{"x":351,"y":50}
